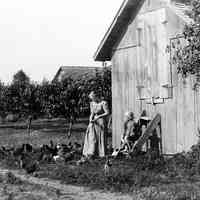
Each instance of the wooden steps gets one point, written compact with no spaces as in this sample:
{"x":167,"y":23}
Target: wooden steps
{"x":147,"y":133}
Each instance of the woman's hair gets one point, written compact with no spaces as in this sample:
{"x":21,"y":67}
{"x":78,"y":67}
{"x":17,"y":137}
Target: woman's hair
{"x":144,"y":113}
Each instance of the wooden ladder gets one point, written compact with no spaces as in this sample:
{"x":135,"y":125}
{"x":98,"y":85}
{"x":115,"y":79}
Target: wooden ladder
{"x":147,"y":133}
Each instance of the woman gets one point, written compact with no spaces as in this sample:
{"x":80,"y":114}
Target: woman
{"x":95,"y":138}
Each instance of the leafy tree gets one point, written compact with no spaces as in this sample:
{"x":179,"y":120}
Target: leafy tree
{"x":68,"y":99}
{"x":187,"y":56}
{"x":101,"y":83}
{"x":2,"y":99}
{"x":20,"y":100}
{"x":20,"y":97}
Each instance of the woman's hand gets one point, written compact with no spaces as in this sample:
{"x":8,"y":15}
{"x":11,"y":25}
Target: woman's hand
{"x":95,"y":119}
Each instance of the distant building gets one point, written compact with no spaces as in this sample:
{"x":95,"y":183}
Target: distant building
{"x":75,"y":72}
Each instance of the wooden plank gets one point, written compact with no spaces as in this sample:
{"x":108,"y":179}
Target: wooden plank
{"x":150,"y":128}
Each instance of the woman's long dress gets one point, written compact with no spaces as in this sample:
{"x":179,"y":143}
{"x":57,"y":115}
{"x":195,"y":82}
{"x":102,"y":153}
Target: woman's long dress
{"x":95,"y":138}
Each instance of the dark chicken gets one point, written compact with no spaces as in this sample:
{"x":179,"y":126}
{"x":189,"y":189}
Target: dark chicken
{"x":28,"y":165}
{"x":107,"y":167}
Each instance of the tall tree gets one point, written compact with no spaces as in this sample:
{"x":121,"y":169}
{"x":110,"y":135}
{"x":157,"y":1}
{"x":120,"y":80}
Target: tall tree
{"x":187,"y":56}
{"x":21,"y":78}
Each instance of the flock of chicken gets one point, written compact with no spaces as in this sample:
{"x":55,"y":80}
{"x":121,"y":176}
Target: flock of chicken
{"x":29,"y":158}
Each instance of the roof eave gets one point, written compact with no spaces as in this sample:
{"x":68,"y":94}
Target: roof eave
{"x":127,"y":11}
{"x":57,"y":74}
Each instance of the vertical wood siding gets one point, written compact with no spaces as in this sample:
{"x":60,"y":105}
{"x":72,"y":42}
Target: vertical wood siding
{"x":148,"y":65}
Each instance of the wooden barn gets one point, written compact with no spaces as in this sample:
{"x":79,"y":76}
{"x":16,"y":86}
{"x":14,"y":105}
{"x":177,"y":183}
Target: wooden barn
{"x":143,"y":76}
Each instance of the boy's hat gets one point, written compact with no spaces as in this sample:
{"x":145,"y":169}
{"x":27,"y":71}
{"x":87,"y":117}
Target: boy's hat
{"x":129,"y":114}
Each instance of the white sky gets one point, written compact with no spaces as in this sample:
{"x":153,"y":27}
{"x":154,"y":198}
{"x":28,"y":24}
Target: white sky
{"x":38,"y":36}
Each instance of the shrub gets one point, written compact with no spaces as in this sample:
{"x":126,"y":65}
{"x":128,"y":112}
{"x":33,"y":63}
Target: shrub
{"x":12,"y":179}
{"x":187,"y":56}
{"x":68,"y":98}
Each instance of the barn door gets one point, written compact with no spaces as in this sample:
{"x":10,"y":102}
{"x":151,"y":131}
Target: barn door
{"x":187,"y":104}
{"x":197,"y":114}
{"x":153,"y":61}
{"x":186,"y":114}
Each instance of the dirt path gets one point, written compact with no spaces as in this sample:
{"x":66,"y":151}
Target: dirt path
{"x":68,"y":192}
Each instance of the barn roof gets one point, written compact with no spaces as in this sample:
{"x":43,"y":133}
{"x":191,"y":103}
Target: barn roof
{"x":75,"y":72}
{"x":126,"y":13}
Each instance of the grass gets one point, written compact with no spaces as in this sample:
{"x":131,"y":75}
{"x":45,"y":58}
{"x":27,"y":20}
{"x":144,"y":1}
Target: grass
{"x":42,"y":132}
{"x":13,"y":188}
{"x":174,"y":179}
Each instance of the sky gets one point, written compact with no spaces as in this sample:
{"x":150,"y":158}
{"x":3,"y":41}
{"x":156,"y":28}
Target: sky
{"x":39,"y":36}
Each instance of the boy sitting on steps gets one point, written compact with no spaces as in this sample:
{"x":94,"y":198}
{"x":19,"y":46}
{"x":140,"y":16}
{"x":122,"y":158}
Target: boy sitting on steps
{"x":129,"y":132}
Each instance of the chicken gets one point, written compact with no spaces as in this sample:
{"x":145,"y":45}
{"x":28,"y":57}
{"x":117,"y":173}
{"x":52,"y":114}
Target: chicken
{"x":52,"y":146}
{"x":107,"y":167}
{"x":58,"y":159}
{"x":69,"y":156}
{"x":18,"y":151}
{"x":47,"y":152}
{"x":30,"y":168}
{"x":6,"y":151}
{"x":25,"y":148}
{"x":116,"y":153}
{"x":28,"y":147}
{"x":28,"y":165}
{"x":3,"y":152}
{"x":77,"y":147}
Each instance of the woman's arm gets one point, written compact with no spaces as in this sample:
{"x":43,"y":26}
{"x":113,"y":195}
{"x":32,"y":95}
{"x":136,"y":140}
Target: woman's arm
{"x":106,"y":111}
{"x":91,"y":117}
{"x":92,"y":113}
{"x":125,"y":129}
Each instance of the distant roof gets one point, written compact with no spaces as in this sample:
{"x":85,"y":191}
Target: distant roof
{"x":75,"y":72}
{"x":127,"y":12}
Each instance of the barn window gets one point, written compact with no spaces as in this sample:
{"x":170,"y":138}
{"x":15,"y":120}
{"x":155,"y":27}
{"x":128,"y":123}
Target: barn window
{"x":152,"y":61}
{"x":139,"y":36}
{"x":140,"y":28}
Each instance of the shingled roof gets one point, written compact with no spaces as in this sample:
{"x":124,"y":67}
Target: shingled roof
{"x":75,"y":72}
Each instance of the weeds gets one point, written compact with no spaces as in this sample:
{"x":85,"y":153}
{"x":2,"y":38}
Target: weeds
{"x":10,"y":196}
{"x":10,"y":178}
{"x":143,"y":173}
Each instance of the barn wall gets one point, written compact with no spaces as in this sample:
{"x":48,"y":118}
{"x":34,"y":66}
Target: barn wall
{"x":147,"y":67}
{"x":134,"y":68}
{"x":150,"y":5}
{"x":124,"y":79}
{"x":187,"y":99}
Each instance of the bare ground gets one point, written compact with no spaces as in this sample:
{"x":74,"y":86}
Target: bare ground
{"x":51,"y":189}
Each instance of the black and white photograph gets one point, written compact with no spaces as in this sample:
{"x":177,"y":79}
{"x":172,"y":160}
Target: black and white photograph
{"x":100,"y":100}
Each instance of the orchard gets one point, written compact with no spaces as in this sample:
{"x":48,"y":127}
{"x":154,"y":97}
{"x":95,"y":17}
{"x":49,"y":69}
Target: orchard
{"x":67,"y":99}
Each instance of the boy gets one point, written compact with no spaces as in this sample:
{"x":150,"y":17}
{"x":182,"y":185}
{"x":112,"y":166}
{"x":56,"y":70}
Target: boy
{"x":129,"y":129}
